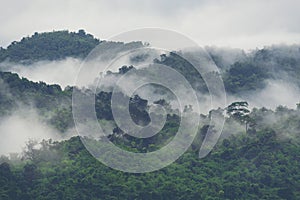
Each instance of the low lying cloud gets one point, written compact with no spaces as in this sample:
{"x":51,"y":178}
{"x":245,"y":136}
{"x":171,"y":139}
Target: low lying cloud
{"x":23,"y":125}
{"x":62,"y":72}
{"x":277,"y":92}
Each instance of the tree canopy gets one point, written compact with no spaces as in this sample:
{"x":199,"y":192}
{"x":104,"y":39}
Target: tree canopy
{"x":49,"y":46}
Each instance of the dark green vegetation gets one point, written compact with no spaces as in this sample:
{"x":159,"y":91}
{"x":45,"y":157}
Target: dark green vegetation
{"x":257,"y":158}
{"x":253,"y":166}
{"x":50,"y":100}
{"x":249,"y":73}
{"x":243,"y":73}
{"x":262,"y":164}
{"x":49,"y":46}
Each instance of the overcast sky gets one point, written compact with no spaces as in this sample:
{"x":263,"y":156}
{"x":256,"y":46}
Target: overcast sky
{"x":244,"y":24}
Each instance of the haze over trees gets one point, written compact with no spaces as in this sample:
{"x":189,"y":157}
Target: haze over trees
{"x":257,"y":156}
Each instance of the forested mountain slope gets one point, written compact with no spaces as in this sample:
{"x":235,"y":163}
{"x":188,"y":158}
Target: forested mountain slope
{"x":49,"y":46}
{"x":257,"y":156}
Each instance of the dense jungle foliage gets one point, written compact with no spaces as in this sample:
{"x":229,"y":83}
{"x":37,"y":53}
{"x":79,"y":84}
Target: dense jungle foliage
{"x":257,"y":156}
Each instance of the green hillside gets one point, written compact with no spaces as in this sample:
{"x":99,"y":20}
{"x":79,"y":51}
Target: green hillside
{"x":49,"y":46}
{"x":257,"y":157}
